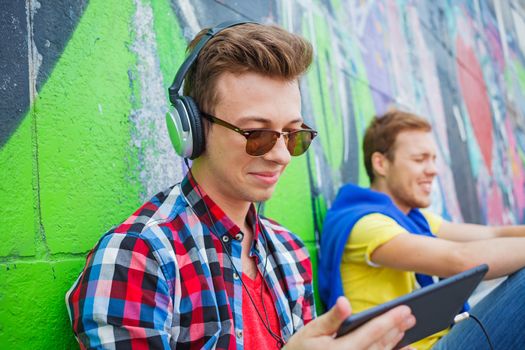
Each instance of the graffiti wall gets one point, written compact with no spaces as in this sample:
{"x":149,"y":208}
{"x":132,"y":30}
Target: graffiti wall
{"x":83,"y":141}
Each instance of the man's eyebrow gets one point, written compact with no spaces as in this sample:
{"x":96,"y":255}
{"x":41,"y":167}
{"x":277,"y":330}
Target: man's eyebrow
{"x":265,"y":121}
{"x":423,"y":154}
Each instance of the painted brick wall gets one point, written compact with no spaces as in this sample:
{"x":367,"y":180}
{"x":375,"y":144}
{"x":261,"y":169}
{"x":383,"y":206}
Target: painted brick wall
{"x":83,"y":97}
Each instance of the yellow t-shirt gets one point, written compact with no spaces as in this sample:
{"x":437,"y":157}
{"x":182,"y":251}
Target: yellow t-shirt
{"x":367,"y":284}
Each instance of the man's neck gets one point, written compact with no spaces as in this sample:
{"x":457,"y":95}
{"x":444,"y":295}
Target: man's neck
{"x":380,"y":186}
{"x":235,"y":210}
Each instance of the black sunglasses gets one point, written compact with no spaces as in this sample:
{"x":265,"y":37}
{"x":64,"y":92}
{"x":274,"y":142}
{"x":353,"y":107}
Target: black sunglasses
{"x":261,"y":141}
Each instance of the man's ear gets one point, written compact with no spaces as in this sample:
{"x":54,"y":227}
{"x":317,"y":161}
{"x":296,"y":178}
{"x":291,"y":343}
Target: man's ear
{"x":380,"y":164}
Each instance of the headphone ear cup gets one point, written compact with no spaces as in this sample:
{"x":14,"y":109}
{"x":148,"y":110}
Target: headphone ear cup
{"x":196,"y":126}
{"x":179,"y":128}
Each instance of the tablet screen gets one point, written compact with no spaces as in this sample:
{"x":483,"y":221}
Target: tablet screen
{"x":434,"y":306}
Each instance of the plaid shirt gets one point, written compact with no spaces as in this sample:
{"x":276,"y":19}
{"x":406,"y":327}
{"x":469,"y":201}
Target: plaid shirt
{"x":162,"y":279}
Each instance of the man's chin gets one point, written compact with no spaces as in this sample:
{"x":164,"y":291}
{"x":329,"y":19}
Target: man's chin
{"x":263,"y":195}
{"x":423,"y":204}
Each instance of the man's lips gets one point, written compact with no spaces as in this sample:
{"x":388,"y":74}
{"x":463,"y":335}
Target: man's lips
{"x":426,"y":186}
{"x":267,"y":177}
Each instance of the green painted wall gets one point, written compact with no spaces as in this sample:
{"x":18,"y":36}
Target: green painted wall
{"x":68,"y":174}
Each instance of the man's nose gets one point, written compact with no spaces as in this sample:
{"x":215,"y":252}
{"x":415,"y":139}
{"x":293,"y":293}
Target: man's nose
{"x":431,"y":167}
{"x":279,"y":153}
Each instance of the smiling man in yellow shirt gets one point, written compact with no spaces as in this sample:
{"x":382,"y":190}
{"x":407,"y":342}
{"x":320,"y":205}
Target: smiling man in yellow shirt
{"x":378,"y":245}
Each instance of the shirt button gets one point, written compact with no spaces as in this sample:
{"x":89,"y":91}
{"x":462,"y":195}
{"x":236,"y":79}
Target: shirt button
{"x":238,"y":334}
{"x":239,"y":236}
{"x":225,"y":238}
{"x":235,"y":276}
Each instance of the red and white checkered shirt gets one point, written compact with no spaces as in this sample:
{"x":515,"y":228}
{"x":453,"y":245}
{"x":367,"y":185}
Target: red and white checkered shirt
{"x":162,"y":279}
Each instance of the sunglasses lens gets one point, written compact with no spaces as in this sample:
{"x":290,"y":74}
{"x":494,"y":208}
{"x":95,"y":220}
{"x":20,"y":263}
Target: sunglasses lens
{"x":261,"y":142}
{"x":299,"y":141}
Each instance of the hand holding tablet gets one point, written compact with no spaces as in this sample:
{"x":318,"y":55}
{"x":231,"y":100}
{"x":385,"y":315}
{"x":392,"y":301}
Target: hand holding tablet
{"x":383,"y":332}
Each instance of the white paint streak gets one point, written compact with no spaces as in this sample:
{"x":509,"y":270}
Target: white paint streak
{"x":459,"y":122}
{"x":501,"y":29}
{"x":160,"y":167}
{"x":519,"y":25}
{"x":34,"y":58}
{"x":188,"y":11}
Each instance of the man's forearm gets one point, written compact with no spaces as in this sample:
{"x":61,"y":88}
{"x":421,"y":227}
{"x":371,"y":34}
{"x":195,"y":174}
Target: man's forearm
{"x":510,"y":231}
{"x":503,"y":255}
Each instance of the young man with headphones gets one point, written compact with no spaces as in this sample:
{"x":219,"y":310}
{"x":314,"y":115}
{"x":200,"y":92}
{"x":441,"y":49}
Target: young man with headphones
{"x":196,"y":266}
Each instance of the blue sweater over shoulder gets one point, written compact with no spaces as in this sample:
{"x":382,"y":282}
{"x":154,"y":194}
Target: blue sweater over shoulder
{"x":351,"y":204}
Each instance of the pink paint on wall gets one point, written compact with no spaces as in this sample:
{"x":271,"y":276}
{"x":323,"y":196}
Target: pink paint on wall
{"x":495,"y":206}
{"x":474,"y":94}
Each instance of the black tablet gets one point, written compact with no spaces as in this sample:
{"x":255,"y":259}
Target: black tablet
{"x":434,"y":306}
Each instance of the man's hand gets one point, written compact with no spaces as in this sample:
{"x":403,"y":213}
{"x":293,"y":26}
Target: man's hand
{"x":383,"y":332}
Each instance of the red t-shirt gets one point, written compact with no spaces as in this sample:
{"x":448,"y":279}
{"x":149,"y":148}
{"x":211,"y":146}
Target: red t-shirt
{"x":256,"y":336}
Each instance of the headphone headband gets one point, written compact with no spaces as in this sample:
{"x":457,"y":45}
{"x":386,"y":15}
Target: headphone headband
{"x":192,"y":57}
